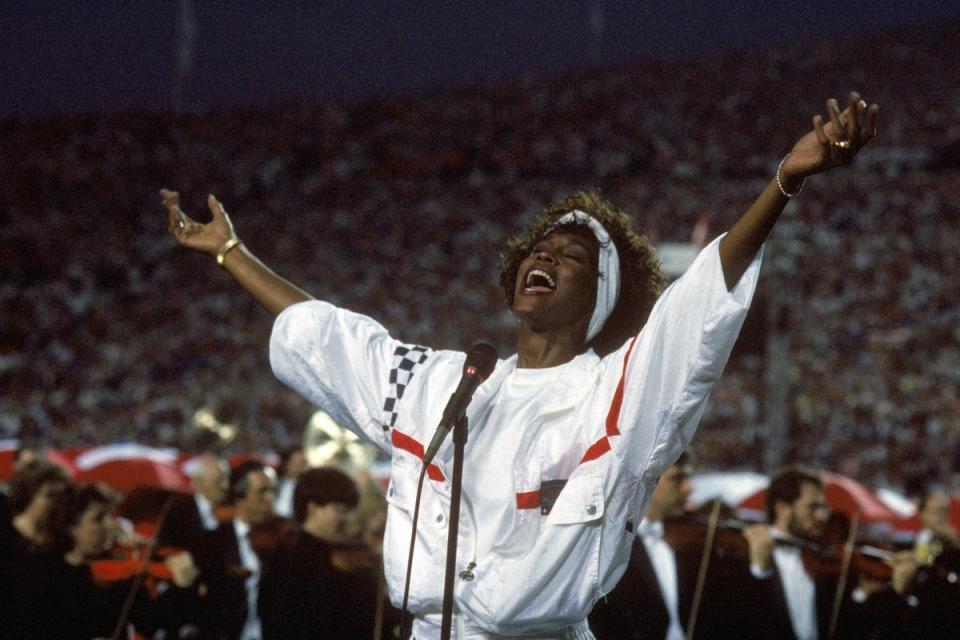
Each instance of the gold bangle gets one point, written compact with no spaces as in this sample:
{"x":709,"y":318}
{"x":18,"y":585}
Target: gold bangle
{"x":225,"y":248}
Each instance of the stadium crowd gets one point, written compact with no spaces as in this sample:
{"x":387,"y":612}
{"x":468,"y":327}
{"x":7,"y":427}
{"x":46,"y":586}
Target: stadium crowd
{"x":397,"y":200}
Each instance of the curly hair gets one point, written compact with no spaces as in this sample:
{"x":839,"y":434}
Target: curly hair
{"x":787,"y":485}
{"x":30,"y":478}
{"x":641,"y":279}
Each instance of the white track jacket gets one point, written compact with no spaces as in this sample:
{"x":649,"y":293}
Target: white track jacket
{"x":569,"y":456}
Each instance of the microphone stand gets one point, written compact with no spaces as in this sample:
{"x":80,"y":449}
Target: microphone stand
{"x":453,"y":526}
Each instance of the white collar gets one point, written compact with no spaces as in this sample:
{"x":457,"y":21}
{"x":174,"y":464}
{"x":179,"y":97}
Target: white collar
{"x":649,"y":529}
{"x":241,"y":528}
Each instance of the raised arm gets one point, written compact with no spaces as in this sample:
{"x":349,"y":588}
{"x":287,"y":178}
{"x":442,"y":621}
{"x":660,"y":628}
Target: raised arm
{"x":828,"y":145}
{"x":218,"y":239}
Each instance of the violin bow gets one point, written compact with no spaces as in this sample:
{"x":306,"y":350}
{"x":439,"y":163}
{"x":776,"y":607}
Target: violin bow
{"x":712,"y":524}
{"x":844,"y":573}
{"x":142,"y":571}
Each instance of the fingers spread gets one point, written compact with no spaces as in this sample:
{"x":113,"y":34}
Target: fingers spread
{"x":177,"y":220}
{"x":833,"y":111}
{"x":853,"y":116}
{"x":173,"y":217}
{"x":170,"y":198}
{"x":215,"y":207}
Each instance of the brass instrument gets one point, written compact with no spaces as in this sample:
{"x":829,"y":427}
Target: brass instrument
{"x":326,"y":443}
{"x":210,"y":432}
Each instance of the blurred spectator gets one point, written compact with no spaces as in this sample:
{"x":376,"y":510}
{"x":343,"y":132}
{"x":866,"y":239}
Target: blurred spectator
{"x":26,"y":453}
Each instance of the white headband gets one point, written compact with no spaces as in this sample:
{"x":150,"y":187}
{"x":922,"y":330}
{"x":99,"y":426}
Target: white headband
{"x":608,"y":269}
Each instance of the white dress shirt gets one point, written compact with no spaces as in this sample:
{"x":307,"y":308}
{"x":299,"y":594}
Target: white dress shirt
{"x":205,"y":509}
{"x":251,"y":562}
{"x":800,"y":591}
{"x":664,"y":563}
{"x":283,"y":504}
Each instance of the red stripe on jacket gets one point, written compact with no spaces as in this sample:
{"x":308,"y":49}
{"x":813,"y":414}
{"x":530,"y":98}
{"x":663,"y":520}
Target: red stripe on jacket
{"x":528,"y":500}
{"x":602,"y":445}
{"x":531,"y":499}
{"x":410,"y":445}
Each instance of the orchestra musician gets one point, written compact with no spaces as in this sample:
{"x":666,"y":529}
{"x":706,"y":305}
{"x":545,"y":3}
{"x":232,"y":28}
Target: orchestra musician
{"x":919,"y":597}
{"x":229,"y":563}
{"x":308,"y":587}
{"x":191,"y":515}
{"x":74,"y":605}
{"x":938,"y":536}
{"x":26,"y":535}
{"x":654,"y":597}
{"x":789,"y":603}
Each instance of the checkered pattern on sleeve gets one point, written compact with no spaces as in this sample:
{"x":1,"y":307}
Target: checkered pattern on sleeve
{"x":405,"y":360}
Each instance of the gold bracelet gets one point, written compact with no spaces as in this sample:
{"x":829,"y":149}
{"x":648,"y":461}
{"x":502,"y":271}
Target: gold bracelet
{"x":787,"y":194}
{"x":225,"y":248}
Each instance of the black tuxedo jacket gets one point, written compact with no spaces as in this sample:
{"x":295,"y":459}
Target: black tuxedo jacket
{"x":767,"y":615}
{"x":635,"y":609}
{"x":183,"y":526}
{"x":222,"y":571}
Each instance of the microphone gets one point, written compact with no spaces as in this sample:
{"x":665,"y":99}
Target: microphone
{"x":481,"y":360}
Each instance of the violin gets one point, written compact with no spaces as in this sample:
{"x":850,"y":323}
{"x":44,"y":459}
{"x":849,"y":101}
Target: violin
{"x":832,"y":558}
{"x":353,"y":557}
{"x":823,"y":559}
{"x":267,"y":536}
{"x":348,"y":557}
{"x":124,"y":562}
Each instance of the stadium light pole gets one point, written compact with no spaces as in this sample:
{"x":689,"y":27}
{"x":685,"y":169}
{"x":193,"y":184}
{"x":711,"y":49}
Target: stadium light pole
{"x":184,"y":55}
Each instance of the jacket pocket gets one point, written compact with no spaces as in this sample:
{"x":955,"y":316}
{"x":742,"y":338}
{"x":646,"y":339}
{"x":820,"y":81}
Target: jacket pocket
{"x":580,"y":501}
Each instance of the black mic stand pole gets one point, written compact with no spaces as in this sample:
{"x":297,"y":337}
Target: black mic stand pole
{"x":453,"y":526}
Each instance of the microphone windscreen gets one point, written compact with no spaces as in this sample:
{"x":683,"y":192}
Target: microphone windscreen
{"x":482,"y":358}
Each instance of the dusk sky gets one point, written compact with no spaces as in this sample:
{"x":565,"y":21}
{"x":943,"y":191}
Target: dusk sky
{"x":95,"y":55}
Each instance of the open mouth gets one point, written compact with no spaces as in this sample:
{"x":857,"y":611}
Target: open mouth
{"x":539,"y":281}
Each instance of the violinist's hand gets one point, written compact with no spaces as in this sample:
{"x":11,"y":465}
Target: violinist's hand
{"x":834,"y":143}
{"x":904,"y":567}
{"x":761,"y":542}
{"x":206,"y":237}
{"x":122,"y":534}
{"x":943,"y":530}
{"x":183,"y":569}
{"x":870,"y":586}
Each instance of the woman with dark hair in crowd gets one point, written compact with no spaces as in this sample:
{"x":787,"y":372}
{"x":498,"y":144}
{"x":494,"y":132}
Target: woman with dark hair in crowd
{"x":33,"y":491}
{"x":568,"y":436}
{"x":26,"y":537}
{"x":74,"y":606}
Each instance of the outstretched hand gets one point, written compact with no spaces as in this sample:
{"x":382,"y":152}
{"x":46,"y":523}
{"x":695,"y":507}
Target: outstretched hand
{"x":206,"y":237}
{"x":835,"y":142}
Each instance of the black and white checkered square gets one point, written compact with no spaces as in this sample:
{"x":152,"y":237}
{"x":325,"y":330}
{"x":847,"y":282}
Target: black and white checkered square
{"x":405,"y":360}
